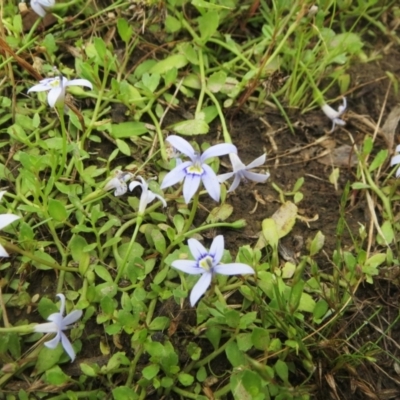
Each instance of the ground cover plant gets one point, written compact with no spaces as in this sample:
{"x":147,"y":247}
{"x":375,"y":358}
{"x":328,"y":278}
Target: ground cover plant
{"x":199,"y":199}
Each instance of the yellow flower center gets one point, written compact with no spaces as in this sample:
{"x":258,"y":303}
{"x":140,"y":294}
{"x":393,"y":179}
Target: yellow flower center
{"x":195,"y":169}
{"x":55,"y":82}
{"x":206,"y":263}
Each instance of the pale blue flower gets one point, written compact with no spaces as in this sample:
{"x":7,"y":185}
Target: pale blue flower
{"x":56,"y":87}
{"x":334,"y":115}
{"x":396,"y":160}
{"x":5,"y":219}
{"x":41,"y":7}
{"x":147,"y":195}
{"x":241,"y":171}
{"x":207,"y":263}
{"x":59,"y":324}
{"x":196,"y":170}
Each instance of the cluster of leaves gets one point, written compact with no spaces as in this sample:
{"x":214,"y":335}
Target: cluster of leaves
{"x":253,"y":331}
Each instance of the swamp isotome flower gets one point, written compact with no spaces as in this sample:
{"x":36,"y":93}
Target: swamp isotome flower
{"x":41,"y":7}
{"x":241,"y":171}
{"x":59,"y":324}
{"x":207,"y":263}
{"x":56,"y":87}
{"x":196,"y":170}
{"x":147,"y":195}
{"x":5,"y":219}
{"x":396,"y":160}
{"x":119,"y":182}
{"x":334,"y":115}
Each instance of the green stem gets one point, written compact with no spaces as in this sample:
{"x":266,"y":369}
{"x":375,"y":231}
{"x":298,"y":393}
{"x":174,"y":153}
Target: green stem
{"x":159,"y":134}
{"x":121,"y":267}
{"x":64,"y":143}
{"x":23,"y":329}
{"x":202,"y":83}
{"x":132,"y":367}
{"x":15,"y":249}
{"x":193,"y":211}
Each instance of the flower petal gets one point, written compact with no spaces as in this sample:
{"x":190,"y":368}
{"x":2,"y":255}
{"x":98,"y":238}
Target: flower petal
{"x":71,"y":318}
{"x":159,"y":197}
{"x":253,"y":176}
{"x":224,"y":177}
{"x":182,"y":145}
{"x":56,"y":95}
{"x":233,"y":269}
{"x":52,"y":344}
{"x":339,"y":121}
{"x":79,"y":82}
{"x":197,"y":250}
{"x":62,"y":305}
{"x":7,"y":219}
{"x":67,"y":346}
{"x":3,"y":252}
{"x":395,"y":160}
{"x":330,"y":112}
{"x":176,"y":175}
{"x":190,"y":186}
{"x":39,"y":10}
{"x":218,"y":150}
{"x":188,"y":266}
{"x":211,"y":183}
{"x":217,"y":248}
{"x":257,"y":162}
{"x":235,"y":183}
{"x":47,"y":327}
{"x":200,"y":287}
{"x":40,"y":87}
{"x":236,"y":162}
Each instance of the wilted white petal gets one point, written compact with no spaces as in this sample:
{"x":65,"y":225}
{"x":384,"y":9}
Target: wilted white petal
{"x":235,"y":183}
{"x":255,"y":177}
{"x":257,"y":162}
{"x":233,"y":269}
{"x":188,"y":266}
{"x":200,"y":287}
{"x":72,"y":317}
{"x":218,"y":150}
{"x":181,"y":145}
{"x":224,"y":177}
{"x":79,"y":82}
{"x":334,"y":115}
{"x":39,"y":10}
{"x":56,"y":95}
{"x":217,"y":248}
{"x":398,"y":148}
{"x":3,"y":252}
{"x":330,"y":112}
{"x":41,"y":87}
{"x":7,"y":219}
{"x":159,"y":197}
{"x":395,"y":160}
{"x":47,"y":327}
{"x":67,"y":346}
{"x":52,"y":344}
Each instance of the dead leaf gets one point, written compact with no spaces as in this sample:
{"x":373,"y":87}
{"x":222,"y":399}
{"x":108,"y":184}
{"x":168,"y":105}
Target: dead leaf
{"x":343,"y":156}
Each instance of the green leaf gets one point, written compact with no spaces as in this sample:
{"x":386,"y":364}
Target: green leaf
{"x":150,"y":371}
{"x":234,"y":355}
{"x":175,"y":61}
{"x":123,"y":393}
{"x":317,"y":243}
{"x":55,"y":376}
{"x":159,"y":324}
{"x":128,"y":129}
{"x":159,"y":240}
{"x":123,"y":147}
{"x":378,"y":160}
{"x":191,"y":127}
{"x":216,"y":81}
{"x":208,"y":24}
{"x":57,"y":210}
{"x":260,"y":338}
{"x":124,"y":29}
{"x":172,"y":24}
{"x":48,"y":358}
{"x":185,"y":379}
{"x":282,"y":370}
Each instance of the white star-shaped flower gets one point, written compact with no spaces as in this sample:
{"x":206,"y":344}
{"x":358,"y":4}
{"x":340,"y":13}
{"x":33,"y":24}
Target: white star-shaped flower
{"x":57,"y":325}
{"x":5,"y":219}
{"x":41,"y":7}
{"x":56,"y":87}
{"x":241,"y":171}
